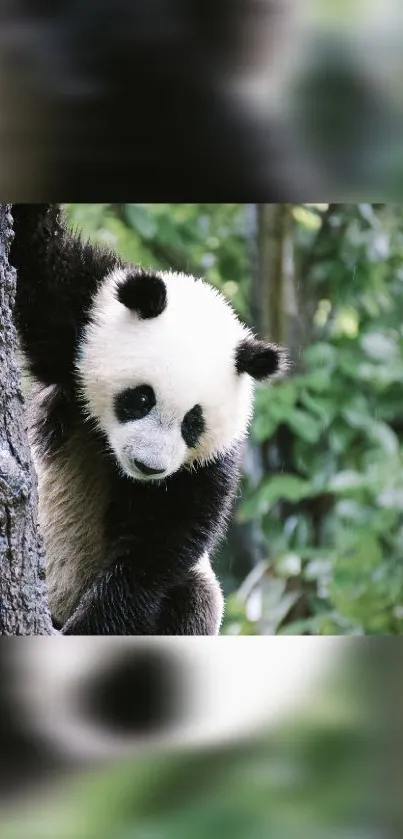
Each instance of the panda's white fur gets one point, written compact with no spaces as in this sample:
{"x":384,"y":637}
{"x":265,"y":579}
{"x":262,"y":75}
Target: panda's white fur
{"x":187,"y":354}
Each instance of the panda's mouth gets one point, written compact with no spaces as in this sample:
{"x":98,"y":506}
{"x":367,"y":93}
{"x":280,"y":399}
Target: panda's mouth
{"x":147,"y":479}
{"x":145,"y":475}
{"x":151,"y":463}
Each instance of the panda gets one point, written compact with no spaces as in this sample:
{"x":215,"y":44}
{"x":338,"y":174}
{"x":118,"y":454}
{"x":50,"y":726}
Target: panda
{"x":142,"y":398}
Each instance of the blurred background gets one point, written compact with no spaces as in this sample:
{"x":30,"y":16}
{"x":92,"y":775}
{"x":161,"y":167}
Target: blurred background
{"x":263,"y":100}
{"x":317,"y":540}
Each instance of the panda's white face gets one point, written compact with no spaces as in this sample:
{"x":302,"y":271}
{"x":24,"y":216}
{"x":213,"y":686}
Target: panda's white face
{"x":158,"y":367}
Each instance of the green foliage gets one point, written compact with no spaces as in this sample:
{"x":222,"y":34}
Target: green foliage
{"x":329,"y":503}
{"x":340,"y":501}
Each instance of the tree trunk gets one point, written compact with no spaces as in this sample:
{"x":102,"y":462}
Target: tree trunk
{"x":23,"y":604}
{"x":276,"y":297}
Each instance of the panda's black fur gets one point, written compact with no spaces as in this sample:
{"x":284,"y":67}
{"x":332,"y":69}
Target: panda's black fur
{"x":146,"y":581}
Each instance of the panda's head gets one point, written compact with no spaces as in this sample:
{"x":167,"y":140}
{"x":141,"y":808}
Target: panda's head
{"x":167,"y":371}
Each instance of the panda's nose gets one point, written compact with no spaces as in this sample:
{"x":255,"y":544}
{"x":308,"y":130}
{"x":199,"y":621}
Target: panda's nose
{"x":147,"y":470}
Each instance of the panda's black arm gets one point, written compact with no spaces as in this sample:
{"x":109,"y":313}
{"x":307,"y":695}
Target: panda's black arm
{"x":57,"y":275}
{"x":194,"y":607}
{"x":157,"y":535}
{"x":111,"y":606}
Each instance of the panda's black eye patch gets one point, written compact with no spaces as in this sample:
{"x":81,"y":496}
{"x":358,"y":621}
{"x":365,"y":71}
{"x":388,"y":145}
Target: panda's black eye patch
{"x":193,"y":426}
{"x":134,"y":403}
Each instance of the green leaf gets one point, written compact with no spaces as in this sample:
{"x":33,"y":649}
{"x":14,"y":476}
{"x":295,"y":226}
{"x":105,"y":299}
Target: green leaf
{"x":356,"y":410}
{"x":379,"y":346}
{"x":305,"y":426}
{"x":279,"y":411}
{"x":263,"y":427}
{"x":340,"y":436}
{"x":347,"y":480}
{"x":321,"y":355}
{"x":317,"y":380}
{"x":280,"y":487}
{"x":384,"y":435}
{"x":348,"y":363}
{"x":283,"y":393}
{"x":324,"y":407}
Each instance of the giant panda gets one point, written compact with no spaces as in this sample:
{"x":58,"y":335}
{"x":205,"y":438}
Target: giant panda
{"x":143,"y":395}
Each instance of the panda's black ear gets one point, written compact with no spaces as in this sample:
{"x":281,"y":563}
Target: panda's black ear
{"x":143,"y":293}
{"x":259,"y":359}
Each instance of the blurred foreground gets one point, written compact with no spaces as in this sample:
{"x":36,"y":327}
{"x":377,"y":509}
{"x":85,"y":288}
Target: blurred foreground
{"x":246,"y":100}
{"x":266,"y":737}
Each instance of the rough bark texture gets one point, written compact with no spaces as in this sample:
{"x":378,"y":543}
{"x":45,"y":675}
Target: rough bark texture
{"x":23,"y":604}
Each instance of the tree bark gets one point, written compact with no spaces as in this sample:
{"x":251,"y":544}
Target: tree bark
{"x":23,"y":602}
{"x":276,"y":296}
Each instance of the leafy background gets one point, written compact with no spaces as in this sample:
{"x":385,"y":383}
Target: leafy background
{"x":316,"y":545}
